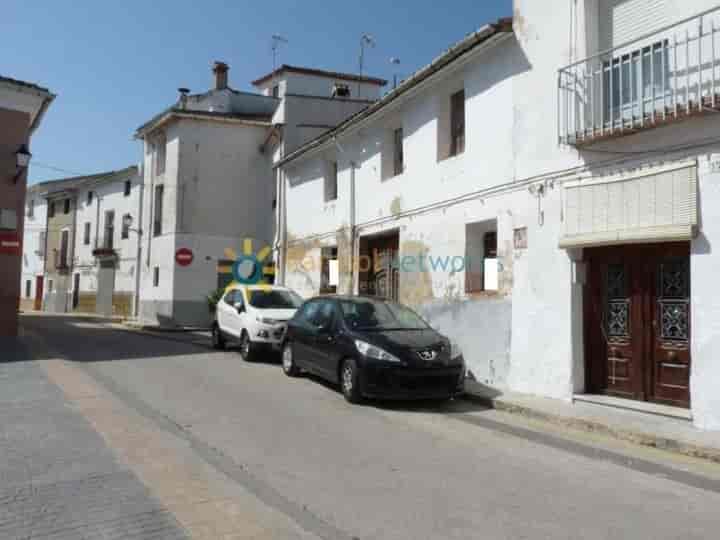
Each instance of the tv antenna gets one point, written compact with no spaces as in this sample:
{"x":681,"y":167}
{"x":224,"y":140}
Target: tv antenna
{"x":395,"y":62}
{"x":365,"y":41}
{"x":277,"y":39}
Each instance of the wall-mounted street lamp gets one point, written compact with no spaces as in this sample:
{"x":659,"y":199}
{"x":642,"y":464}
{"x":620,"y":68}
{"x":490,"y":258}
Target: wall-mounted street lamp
{"x":127,"y":222}
{"x":22,"y":160}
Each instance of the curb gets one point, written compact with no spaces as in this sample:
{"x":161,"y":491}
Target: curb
{"x":637,"y":437}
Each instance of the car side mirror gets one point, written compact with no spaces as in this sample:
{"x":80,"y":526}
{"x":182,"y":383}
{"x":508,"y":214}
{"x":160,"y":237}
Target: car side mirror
{"x":240,"y":308}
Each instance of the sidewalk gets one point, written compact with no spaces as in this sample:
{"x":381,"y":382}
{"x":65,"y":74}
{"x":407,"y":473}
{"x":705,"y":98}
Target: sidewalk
{"x":670,"y":434}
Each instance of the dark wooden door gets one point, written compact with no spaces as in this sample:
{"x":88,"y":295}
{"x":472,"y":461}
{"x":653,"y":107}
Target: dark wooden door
{"x":39,"y":286}
{"x":637,"y":322}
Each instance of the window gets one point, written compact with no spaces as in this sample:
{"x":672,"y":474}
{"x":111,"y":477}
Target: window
{"x":28,"y":288}
{"x":329,"y":275}
{"x":398,"y":152}
{"x":89,"y":197}
{"x":31,"y":209}
{"x":51,"y":209}
{"x":230,"y":298}
{"x":481,"y":268}
{"x":50,"y":285}
{"x":125,"y":233}
{"x":276,"y":91}
{"x":457,"y":123}
{"x":316,"y":314}
{"x":331,"y":179}
{"x":128,"y":188}
{"x":158,"y":214}
{"x":160,"y":154}
{"x":66,"y":206}
{"x":156,"y":276}
{"x":109,"y":229}
{"x":86,"y":233}
{"x":644,"y":75}
{"x":8,"y":219}
{"x":64,"y":246}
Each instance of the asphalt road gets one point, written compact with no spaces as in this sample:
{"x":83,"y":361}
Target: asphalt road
{"x":312,"y":466}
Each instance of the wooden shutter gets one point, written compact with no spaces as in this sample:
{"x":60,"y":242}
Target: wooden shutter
{"x":652,"y":207}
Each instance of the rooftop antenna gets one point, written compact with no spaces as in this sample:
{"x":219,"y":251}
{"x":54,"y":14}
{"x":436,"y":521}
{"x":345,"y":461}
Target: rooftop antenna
{"x":365,"y":41}
{"x":277,"y":39}
{"x":395,"y":62}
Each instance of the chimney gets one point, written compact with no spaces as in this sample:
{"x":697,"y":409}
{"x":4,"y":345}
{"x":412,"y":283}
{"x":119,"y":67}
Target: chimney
{"x":220,"y":69}
{"x":183,"y":97}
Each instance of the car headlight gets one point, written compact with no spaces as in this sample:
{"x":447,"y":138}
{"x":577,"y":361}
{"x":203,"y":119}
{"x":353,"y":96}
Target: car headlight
{"x":455,"y":350}
{"x":371,"y":351}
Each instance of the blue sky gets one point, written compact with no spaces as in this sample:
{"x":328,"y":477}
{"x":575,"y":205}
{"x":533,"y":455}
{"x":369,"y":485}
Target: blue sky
{"x":115,"y":64}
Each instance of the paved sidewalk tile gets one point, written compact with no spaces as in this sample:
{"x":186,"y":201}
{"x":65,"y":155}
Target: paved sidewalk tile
{"x":58,"y":479}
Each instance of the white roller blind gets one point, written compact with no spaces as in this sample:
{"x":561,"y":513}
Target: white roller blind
{"x":624,"y":20}
{"x":648,"y":208}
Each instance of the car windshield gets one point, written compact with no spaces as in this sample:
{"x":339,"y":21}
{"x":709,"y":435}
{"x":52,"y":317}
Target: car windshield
{"x":371,"y":314}
{"x":274,"y":299}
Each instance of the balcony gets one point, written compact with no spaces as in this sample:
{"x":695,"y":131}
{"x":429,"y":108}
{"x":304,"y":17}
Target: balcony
{"x":657,"y":79}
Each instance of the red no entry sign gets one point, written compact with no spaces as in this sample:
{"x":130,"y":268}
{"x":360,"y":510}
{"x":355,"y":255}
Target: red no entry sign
{"x":184,"y":257}
{"x":10,"y":244}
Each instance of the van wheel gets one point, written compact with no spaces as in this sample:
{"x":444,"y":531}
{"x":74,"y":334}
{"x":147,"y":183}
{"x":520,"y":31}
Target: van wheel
{"x":247,"y":351}
{"x":349,"y":381}
{"x":218,"y":341}
{"x":288,"y":361}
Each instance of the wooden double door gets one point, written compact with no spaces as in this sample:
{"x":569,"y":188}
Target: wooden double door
{"x":637,"y":322}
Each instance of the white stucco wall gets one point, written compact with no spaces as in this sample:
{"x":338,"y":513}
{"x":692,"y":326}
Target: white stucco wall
{"x":511,"y":146}
{"x":33,"y":263}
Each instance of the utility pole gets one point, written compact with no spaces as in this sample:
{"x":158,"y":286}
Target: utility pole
{"x":277,"y":39}
{"x":365,"y":41}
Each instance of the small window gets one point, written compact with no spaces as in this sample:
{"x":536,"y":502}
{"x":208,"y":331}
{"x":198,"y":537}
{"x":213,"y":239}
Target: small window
{"x":125,"y":233}
{"x":86,"y":233}
{"x":398,"y":152}
{"x":50,"y":285}
{"x":109,"y":229}
{"x":41,"y":241}
{"x":31,"y":209}
{"x":160,"y":155}
{"x":8,"y":219}
{"x":89,"y":197}
{"x":276,"y":91}
{"x":156,"y":276}
{"x":329,"y":275}
{"x":51,"y":209}
{"x":457,"y":123}
{"x":28,"y":288}
{"x":481,"y":267}
{"x":128,"y":188}
{"x":331,"y":181}
{"x":158,"y":214}
{"x":66,"y":207}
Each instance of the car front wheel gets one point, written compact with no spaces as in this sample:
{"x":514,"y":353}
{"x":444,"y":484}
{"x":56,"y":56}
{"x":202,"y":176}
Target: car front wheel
{"x":349,"y":381}
{"x":288,"y":361}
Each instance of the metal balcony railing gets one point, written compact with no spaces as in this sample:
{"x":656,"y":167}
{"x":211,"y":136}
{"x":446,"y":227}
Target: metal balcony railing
{"x":653,"y":80}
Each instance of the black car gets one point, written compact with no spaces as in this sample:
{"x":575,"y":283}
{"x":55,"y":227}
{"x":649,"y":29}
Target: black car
{"x":372,"y":347}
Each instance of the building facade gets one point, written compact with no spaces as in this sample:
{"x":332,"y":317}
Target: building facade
{"x":210,"y":186}
{"x":107,"y":226}
{"x":22,"y":107}
{"x":32,"y":279}
{"x":543,"y":194}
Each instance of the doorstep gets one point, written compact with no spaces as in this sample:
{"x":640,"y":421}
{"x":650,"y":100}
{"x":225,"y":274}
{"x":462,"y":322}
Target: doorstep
{"x":658,"y":427}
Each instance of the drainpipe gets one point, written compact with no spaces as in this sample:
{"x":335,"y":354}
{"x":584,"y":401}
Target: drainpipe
{"x":138,"y":259}
{"x":353,"y":226}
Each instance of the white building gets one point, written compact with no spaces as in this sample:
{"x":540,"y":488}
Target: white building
{"x":209,"y":181}
{"x":556,"y":221}
{"x":33,"y":259}
{"x":105,"y":273}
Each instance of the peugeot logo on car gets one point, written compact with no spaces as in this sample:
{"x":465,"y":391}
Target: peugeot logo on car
{"x":428,"y":355}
